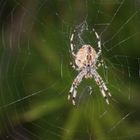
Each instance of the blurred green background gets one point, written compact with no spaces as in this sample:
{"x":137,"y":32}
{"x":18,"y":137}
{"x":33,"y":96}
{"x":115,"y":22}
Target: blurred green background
{"x":35,"y":71}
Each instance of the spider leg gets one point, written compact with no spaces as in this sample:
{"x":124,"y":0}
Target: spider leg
{"x":101,"y":63}
{"x":102,"y":85}
{"x":74,"y":66}
{"x":72,"y":44}
{"x":72,"y":51}
{"x":98,"y":42}
{"x":76,"y":82}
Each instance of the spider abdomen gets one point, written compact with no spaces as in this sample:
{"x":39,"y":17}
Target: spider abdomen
{"x":85,"y":56}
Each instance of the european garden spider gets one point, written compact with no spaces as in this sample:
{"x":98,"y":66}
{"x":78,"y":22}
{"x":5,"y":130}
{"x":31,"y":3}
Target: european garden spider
{"x":87,"y":63}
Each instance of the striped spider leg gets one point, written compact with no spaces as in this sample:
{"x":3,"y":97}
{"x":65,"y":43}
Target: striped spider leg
{"x":102,"y":86}
{"x":76,"y":82}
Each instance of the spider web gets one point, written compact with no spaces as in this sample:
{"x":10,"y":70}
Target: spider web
{"x":36,"y":75}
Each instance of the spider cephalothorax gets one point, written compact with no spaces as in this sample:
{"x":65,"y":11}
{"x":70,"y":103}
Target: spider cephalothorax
{"x":86,"y":63}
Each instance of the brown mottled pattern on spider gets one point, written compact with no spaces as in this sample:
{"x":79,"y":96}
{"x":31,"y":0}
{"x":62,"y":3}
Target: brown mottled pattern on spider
{"x":84,"y":57}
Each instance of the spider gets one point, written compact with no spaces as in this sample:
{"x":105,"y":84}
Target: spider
{"x":87,"y":62}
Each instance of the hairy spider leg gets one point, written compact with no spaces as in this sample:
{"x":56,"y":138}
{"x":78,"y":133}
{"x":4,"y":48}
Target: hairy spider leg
{"x":76,"y":82}
{"x":72,"y":44}
{"x":72,"y":50}
{"x":102,"y":85}
{"x":98,"y":42}
{"x":101,"y":63}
